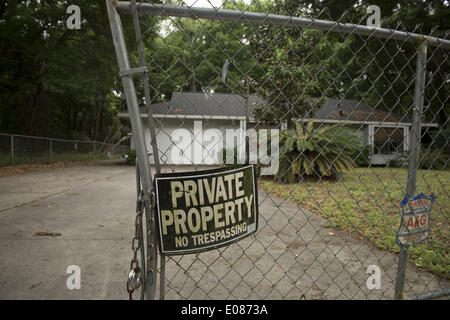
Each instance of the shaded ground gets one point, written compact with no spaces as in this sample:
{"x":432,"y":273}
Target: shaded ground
{"x":29,"y":168}
{"x":92,"y":207}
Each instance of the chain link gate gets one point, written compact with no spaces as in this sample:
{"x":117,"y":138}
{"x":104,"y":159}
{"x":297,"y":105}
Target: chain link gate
{"x":319,"y":237}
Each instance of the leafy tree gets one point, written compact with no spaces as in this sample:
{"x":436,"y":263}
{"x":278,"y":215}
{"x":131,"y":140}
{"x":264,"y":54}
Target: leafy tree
{"x":301,"y":64}
{"x":55,"y":81}
{"x":377,"y":71}
{"x":190,"y":54}
{"x":60,"y":82}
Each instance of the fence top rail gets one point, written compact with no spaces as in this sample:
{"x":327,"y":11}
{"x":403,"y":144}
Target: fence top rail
{"x":154,"y":9}
{"x":55,"y":139}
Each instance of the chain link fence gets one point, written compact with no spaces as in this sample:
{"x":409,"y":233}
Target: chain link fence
{"x":362,"y":118}
{"x":21,"y":149}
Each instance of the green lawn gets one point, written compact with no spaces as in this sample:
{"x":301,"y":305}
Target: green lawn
{"x":365,"y":203}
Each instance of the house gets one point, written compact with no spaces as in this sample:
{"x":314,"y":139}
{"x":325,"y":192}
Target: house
{"x":388,"y":133}
{"x":194,"y":112}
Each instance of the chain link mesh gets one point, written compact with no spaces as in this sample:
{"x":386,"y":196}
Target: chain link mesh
{"x":20,"y":149}
{"x":333,"y":208}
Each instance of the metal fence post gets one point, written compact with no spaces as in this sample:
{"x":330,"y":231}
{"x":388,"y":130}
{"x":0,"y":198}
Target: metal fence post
{"x":152,"y":126}
{"x":51,"y":150}
{"x":413,"y":163}
{"x":126,"y":74}
{"x":12,"y":149}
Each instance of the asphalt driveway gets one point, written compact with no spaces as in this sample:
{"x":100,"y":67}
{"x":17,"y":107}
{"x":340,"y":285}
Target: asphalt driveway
{"x":90,"y":211}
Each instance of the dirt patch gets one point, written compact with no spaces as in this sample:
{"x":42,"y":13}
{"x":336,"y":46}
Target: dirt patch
{"x":296,"y":244}
{"x":28,"y":168}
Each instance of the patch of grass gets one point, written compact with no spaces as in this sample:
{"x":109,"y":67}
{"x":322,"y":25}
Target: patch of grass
{"x":20,"y":158}
{"x":365,"y":203}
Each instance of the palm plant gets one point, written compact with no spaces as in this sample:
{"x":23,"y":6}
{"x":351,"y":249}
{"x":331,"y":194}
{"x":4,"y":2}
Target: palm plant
{"x":325,"y":151}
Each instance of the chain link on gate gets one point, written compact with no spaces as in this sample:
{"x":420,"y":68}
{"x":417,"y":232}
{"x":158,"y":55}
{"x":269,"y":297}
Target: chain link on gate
{"x":135,"y":276}
{"x":362,"y":117}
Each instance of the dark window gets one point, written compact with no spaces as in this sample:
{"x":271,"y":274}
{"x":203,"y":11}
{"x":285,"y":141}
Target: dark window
{"x":388,"y":140}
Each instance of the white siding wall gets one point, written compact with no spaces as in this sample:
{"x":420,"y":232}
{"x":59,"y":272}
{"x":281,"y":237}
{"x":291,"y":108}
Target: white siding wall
{"x":175,"y":146}
{"x":176,"y":141}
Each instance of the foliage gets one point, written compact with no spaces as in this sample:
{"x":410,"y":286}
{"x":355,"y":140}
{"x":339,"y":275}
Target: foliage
{"x":399,"y":161}
{"x":440,"y":140}
{"x":362,"y":156}
{"x":131,"y":158}
{"x":433,"y":159}
{"x":365,"y":204}
{"x":63,"y":83}
{"x":190,"y":54}
{"x":305,"y":63}
{"x":227,"y":153}
{"x":58,"y":82}
{"x":298,"y":68}
{"x":325,"y":151}
{"x":301,"y":65}
{"x":429,"y":159}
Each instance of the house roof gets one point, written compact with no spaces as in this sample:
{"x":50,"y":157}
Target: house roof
{"x":228,"y":106}
{"x":355,"y":110}
{"x":205,"y":104}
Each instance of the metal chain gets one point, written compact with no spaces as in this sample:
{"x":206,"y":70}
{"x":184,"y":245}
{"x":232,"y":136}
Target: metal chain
{"x":135,"y":275}
{"x":149,"y":205}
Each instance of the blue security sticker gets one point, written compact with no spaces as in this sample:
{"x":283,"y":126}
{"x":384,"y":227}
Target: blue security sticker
{"x":415,"y":224}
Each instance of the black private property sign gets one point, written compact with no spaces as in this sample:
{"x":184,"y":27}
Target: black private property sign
{"x":204,"y":210}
